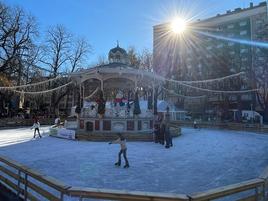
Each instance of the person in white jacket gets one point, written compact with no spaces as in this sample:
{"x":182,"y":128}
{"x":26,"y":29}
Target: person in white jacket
{"x":122,"y":141}
{"x":36,"y":127}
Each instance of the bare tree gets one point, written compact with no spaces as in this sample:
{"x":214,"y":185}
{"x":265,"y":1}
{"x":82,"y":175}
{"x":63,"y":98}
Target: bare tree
{"x":146,"y":60}
{"x":17,"y":33}
{"x":102,"y":60}
{"x":133,"y":57}
{"x":62,"y":56}
{"x":80,"y":51}
{"x":56,"y":52}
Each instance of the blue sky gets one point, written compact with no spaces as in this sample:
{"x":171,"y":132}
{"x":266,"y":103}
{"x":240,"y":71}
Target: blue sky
{"x":102,"y":22}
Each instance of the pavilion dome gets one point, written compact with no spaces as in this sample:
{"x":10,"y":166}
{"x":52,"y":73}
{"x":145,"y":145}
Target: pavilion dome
{"x":118,"y":55}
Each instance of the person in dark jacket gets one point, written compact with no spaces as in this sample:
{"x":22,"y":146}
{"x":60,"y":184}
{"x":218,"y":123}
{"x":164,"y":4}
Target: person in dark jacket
{"x":156,"y":133}
{"x":122,"y":141}
{"x":168,"y":137}
{"x":162,"y":132}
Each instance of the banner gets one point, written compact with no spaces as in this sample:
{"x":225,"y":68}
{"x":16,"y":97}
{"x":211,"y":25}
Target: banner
{"x":65,"y":133}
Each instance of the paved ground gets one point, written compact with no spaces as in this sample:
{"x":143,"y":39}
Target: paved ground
{"x":200,"y":160}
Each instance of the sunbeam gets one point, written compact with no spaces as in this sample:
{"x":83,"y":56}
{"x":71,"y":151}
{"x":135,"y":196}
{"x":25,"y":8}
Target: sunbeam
{"x":236,"y":40}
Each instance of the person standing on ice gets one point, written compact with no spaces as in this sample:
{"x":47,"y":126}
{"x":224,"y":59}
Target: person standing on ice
{"x":57,"y":121}
{"x":162,"y":129}
{"x":195,"y":124}
{"x":168,"y":137}
{"x":36,"y":127}
{"x":122,"y":141}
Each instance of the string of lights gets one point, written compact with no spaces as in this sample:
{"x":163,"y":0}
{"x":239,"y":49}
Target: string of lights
{"x":183,"y":96}
{"x":42,"y":92}
{"x":203,"y":81}
{"x":31,"y":85}
{"x":218,"y":91}
{"x":92,"y":94}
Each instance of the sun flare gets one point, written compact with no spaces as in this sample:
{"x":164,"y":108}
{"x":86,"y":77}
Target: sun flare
{"x":178,"y":25}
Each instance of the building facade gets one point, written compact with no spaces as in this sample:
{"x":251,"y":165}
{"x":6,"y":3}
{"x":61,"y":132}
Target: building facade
{"x":203,"y":51}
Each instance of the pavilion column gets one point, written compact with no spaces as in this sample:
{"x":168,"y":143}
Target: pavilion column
{"x":80,"y":93}
{"x":153,"y":98}
{"x":102,"y":85}
{"x":83,"y":94}
{"x":73,"y":98}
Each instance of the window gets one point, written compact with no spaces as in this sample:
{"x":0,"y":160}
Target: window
{"x":259,"y":21}
{"x":219,"y":29}
{"x":232,"y":70}
{"x":246,"y":97}
{"x":232,"y":52}
{"x":209,"y":48}
{"x":230,"y":43}
{"x":244,"y":51}
{"x":220,"y":45}
{"x":242,"y":33}
{"x":244,"y":59}
{"x":244,"y":23}
{"x":209,"y":39}
{"x":261,"y":58}
{"x":230,"y":26}
{"x":243,"y":68}
{"x":230,"y":35}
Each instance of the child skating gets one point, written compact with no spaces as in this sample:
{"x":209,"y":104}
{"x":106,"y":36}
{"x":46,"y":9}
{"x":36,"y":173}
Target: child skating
{"x":122,"y":141}
{"x":36,"y":127}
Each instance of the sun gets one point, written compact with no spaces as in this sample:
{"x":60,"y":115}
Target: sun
{"x":178,"y":25}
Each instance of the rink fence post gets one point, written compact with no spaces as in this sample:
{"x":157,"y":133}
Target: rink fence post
{"x":19,"y":176}
{"x":26,"y":187}
{"x":257,"y":193}
{"x":264,"y":176}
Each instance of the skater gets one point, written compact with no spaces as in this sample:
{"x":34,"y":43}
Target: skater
{"x":195,"y":125}
{"x":57,"y":122}
{"x":168,"y":137}
{"x":36,"y":127}
{"x":122,"y":141}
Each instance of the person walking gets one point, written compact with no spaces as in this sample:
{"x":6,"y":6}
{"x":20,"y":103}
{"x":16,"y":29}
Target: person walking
{"x":123,"y":150}
{"x":36,"y":127}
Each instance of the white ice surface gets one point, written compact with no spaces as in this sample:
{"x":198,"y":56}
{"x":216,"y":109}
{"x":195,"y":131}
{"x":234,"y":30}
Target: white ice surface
{"x":200,"y":160}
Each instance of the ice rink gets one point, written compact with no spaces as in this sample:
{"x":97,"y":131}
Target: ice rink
{"x":199,"y":160}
